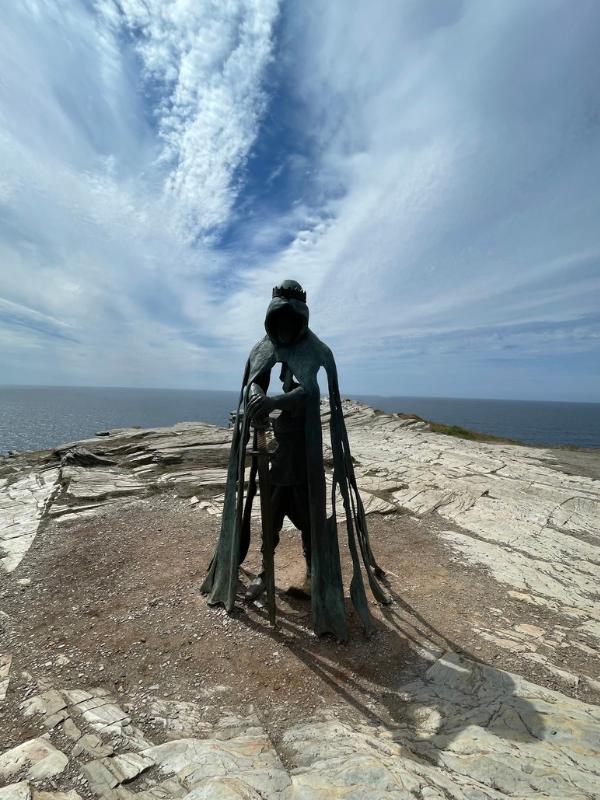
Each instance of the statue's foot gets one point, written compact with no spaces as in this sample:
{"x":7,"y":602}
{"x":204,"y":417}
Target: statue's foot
{"x":256,"y":587}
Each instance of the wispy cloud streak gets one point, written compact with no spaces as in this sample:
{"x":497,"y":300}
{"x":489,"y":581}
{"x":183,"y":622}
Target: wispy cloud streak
{"x":205,"y":63}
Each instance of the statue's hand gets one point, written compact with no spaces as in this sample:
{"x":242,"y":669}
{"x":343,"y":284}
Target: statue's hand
{"x":260,"y":406}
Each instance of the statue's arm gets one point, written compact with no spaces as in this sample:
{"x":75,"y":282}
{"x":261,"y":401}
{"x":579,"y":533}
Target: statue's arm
{"x":260,"y":384}
{"x":289,"y":401}
{"x":259,"y":404}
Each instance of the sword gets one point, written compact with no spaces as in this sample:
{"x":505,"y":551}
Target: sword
{"x":266,"y":512}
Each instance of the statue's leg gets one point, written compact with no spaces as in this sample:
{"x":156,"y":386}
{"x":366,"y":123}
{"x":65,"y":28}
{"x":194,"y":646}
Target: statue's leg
{"x":299,"y":514}
{"x":298,"y":510}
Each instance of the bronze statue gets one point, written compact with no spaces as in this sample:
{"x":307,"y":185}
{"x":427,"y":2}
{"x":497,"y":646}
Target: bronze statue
{"x":297,"y":475}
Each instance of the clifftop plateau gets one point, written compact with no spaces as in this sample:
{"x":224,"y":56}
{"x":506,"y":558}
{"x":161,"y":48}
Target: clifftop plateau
{"x":482,"y":681}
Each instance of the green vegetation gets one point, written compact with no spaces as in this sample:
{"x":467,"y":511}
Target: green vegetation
{"x":465,"y":433}
{"x":458,"y":431}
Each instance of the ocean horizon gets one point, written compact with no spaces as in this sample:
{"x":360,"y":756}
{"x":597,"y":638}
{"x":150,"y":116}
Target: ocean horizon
{"x":42,"y":417}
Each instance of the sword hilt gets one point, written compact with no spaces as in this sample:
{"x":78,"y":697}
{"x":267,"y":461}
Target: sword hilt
{"x":261,"y":439}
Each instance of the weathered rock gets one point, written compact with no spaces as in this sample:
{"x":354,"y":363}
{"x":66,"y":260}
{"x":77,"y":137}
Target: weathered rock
{"x":24,"y":499}
{"x":95,"y":709}
{"x":70,"y":795}
{"x":225,"y":788}
{"x":5,"y":662}
{"x":82,"y":457}
{"x":106,"y":773}
{"x":530,"y":630}
{"x":180,"y":719}
{"x":471,"y":731}
{"x":71,"y":730}
{"x":38,"y":757}
{"x":16,"y":791}
{"x":92,"y":745}
{"x":48,"y":703}
{"x":244,"y":763}
{"x":122,"y":464}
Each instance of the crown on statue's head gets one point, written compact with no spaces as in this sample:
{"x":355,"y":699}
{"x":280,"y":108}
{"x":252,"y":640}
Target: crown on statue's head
{"x":290,"y":290}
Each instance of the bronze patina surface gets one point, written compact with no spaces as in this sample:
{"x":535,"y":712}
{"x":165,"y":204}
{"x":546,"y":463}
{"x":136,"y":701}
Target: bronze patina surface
{"x":297,"y":474}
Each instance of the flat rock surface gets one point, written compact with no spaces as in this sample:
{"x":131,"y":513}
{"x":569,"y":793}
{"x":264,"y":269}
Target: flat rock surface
{"x":482,"y":680}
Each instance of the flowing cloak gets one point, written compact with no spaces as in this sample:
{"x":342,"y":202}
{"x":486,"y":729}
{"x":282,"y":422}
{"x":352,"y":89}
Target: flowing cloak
{"x":304,"y":356}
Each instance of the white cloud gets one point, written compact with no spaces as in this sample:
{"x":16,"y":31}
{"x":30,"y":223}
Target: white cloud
{"x":208,"y":59}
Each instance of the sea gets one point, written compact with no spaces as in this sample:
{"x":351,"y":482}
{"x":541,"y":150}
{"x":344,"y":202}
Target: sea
{"x":41,"y":417}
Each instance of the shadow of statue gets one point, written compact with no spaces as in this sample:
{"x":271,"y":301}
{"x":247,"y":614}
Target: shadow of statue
{"x":432,"y":695}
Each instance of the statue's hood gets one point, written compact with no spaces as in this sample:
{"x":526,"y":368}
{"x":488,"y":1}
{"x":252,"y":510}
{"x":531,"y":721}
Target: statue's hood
{"x":296,"y":309}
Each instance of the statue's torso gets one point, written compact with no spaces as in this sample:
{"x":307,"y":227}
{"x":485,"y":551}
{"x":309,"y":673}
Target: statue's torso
{"x":288,"y":464}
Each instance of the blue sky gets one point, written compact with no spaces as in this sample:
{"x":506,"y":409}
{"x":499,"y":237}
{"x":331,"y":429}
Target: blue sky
{"x":430,"y":171}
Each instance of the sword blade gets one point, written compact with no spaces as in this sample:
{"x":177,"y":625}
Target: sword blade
{"x":266,"y":513}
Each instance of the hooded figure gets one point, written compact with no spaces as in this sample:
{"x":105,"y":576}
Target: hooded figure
{"x":289,"y":341}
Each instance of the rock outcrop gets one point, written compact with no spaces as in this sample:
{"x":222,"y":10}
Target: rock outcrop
{"x":474,"y":733}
